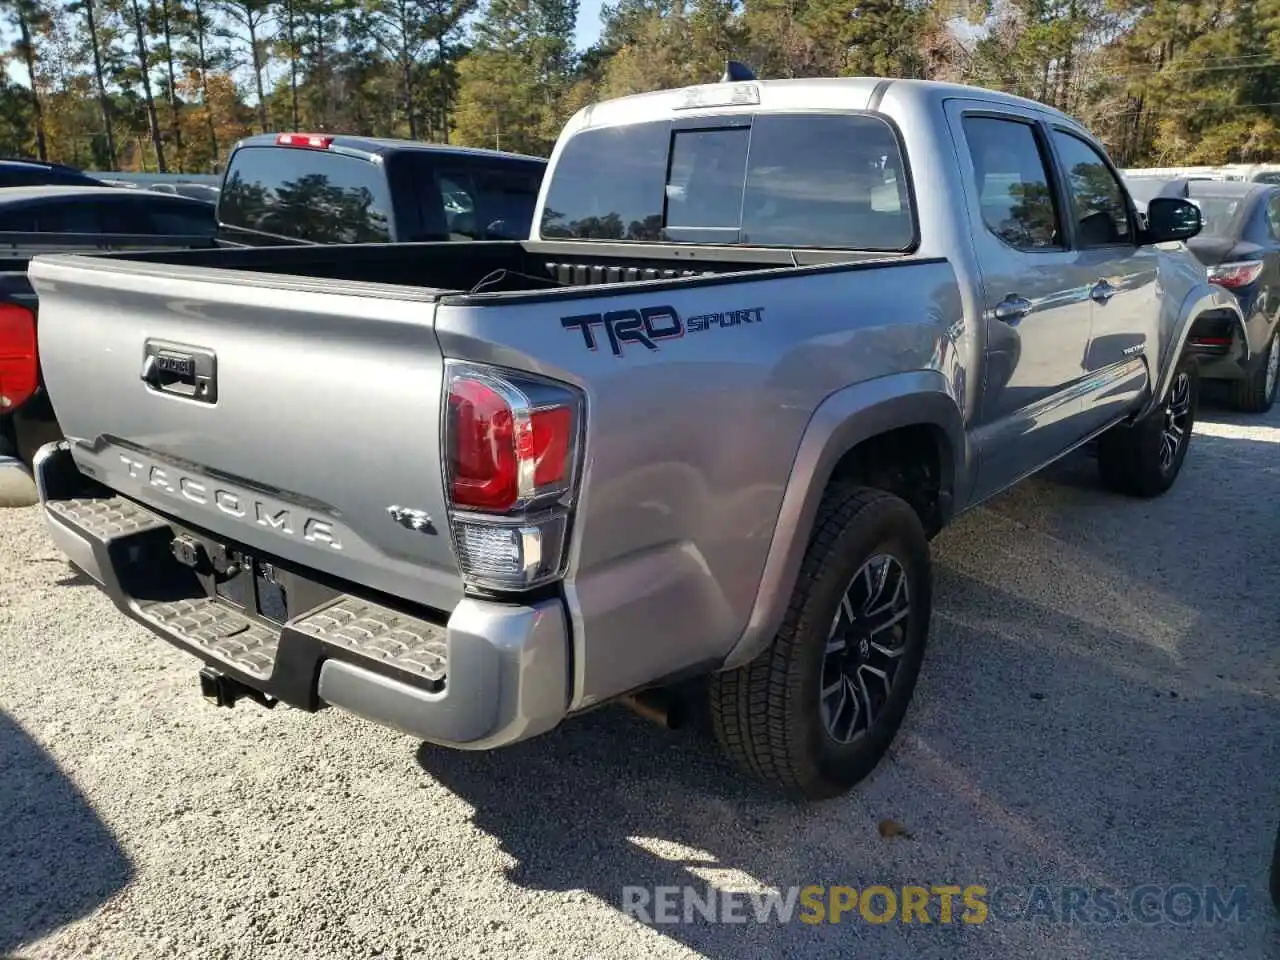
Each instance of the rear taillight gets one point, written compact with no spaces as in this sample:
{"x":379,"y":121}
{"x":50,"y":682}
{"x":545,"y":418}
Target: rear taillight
{"x":511,"y":450}
{"x":314,"y":140}
{"x":1235,"y":275}
{"x":19,"y":366}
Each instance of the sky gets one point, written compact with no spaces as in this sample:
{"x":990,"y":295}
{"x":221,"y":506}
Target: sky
{"x":588,"y":23}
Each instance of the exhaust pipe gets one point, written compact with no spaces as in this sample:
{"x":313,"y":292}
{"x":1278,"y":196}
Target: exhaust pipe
{"x":660,"y":705}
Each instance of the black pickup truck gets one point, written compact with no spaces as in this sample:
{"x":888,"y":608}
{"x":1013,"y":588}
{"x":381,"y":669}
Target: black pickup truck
{"x":285,"y":188}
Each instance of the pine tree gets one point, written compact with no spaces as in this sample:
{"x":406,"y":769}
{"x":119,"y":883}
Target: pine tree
{"x":251,"y":19}
{"x":511,"y":85}
{"x":135,"y":16}
{"x":29,"y":17}
{"x":99,"y":44}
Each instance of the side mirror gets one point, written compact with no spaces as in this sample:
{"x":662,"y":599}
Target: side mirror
{"x":1172,"y":218}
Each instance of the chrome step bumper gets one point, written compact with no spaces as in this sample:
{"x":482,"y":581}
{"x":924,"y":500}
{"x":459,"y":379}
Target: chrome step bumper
{"x":488,"y":674}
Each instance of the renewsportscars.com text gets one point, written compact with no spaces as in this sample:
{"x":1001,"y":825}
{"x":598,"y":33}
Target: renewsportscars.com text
{"x":940,"y":903}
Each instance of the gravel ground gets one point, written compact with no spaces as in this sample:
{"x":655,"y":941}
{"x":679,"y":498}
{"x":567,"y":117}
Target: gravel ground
{"x":1100,"y":706}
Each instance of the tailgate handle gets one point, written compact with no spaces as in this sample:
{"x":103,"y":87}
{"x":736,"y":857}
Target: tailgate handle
{"x":180,"y":370}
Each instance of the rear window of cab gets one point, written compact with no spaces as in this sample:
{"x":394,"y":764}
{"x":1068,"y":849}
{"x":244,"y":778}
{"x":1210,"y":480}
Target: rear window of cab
{"x":834,"y":181}
{"x":306,"y":194}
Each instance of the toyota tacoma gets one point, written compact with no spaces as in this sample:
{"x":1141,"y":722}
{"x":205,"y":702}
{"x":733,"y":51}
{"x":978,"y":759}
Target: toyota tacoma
{"x":765,"y":340}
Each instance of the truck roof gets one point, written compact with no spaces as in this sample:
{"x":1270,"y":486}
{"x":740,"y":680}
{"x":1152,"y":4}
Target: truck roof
{"x":12,"y":194}
{"x":838,"y":93}
{"x":40,"y":164}
{"x":381,"y":146}
{"x":17,"y":194}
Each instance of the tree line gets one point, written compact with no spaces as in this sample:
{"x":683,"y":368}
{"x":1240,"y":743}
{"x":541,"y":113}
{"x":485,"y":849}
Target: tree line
{"x":170,"y":85}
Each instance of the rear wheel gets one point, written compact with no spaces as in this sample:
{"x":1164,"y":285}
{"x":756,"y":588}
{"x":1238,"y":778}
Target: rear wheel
{"x":1143,"y":459}
{"x":32,"y":434}
{"x":816,"y":711}
{"x":1257,"y":393}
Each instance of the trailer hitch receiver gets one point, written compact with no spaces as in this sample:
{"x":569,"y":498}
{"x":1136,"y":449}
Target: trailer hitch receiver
{"x":224,"y":691}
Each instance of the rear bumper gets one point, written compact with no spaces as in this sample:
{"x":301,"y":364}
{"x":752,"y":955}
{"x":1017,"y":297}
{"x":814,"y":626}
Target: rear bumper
{"x":489,"y":675}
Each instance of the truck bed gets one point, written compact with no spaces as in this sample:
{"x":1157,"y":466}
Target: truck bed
{"x":462,"y":270}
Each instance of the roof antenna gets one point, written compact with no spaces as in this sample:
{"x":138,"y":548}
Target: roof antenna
{"x":736,"y":72}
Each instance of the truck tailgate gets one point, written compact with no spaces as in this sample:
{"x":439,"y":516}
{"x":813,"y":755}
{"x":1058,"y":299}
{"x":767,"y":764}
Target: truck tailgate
{"x":286,"y":417}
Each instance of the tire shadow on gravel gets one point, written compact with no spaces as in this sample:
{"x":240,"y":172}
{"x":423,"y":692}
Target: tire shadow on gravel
{"x":58,"y":861}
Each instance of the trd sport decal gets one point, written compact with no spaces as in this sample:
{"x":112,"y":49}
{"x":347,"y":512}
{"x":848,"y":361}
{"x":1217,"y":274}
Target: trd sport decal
{"x":649,"y":325}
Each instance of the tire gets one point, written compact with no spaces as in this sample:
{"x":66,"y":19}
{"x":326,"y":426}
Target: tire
{"x":1257,"y":392}
{"x":33,"y":434}
{"x":768,"y":715}
{"x":1131,"y":457}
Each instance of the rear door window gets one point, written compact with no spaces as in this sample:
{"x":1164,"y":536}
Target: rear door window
{"x":828,"y":181}
{"x":505,"y":197}
{"x":1011,"y":178}
{"x":306,"y":194}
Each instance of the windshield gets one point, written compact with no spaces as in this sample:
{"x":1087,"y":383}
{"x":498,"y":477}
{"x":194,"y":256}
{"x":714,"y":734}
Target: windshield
{"x":1218,"y":214}
{"x":1145,"y":189}
{"x":793,"y":180}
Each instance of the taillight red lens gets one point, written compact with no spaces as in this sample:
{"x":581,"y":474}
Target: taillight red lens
{"x":1236,"y":275}
{"x":19,"y":366}
{"x":500,"y":455}
{"x":548,"y":445}
{"x":483,"y":458}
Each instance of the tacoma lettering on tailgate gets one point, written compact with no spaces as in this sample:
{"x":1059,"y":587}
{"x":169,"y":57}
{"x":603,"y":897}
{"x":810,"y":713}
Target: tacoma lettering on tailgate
{"x":281,"y":518}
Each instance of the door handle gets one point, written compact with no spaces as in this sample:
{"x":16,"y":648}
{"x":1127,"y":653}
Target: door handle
{"x":1012,"y":308}
{"x":181,"y":370}
{"x":1102,"y":292}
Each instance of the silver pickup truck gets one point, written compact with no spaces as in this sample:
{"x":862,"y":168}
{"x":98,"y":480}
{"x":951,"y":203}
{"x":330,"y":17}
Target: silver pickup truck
{"x":766,"y":340}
